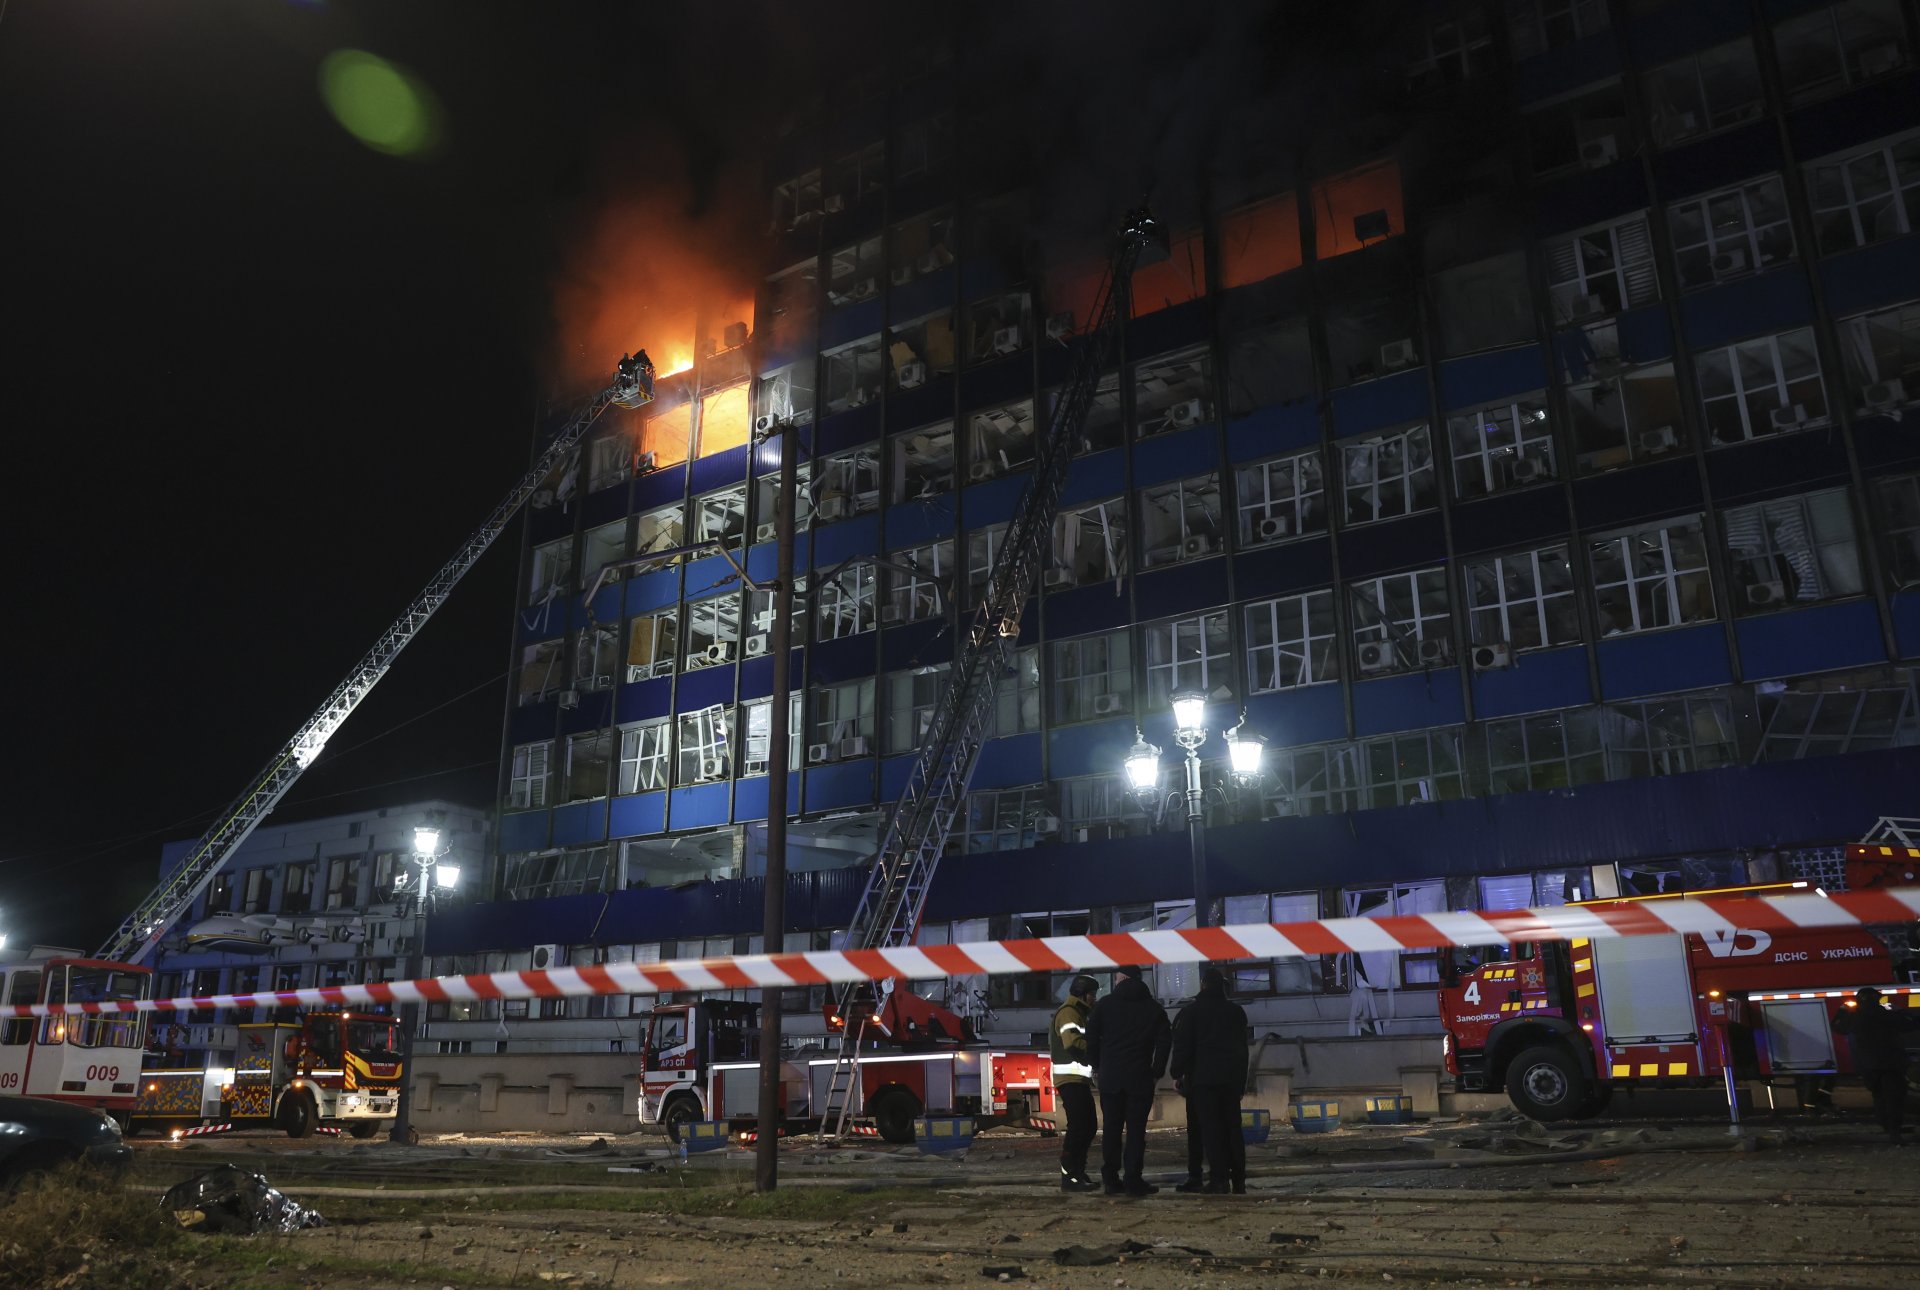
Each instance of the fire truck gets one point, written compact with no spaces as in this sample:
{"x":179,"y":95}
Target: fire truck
{"x":1561,"y":1025}
{"x":89,"y":1059}
{"x":702,"y":1062}
{"x":340,"y":1069}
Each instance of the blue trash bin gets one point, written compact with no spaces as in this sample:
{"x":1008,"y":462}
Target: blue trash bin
{"x":937,"y":1135}
{"x":1255,"y":1125}
{"x":1314,"y":1115}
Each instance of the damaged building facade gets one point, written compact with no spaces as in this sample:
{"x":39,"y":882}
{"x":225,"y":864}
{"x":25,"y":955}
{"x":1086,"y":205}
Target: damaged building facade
{"x":1534,"y":459}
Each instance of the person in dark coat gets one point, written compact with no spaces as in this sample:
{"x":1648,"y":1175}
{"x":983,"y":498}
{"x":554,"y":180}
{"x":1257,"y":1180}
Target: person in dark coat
{"x":1210,"y":1060}
{"x":1128,"y":1040}
{"x":1879,"y":1056}
{"x":1196,"y":1153}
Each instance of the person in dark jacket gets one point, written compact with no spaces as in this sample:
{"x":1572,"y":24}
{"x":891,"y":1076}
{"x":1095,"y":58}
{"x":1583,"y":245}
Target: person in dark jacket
{"x":1196,"y":1153}
{"x":1073,"y":1080}
{"x":1127,"y":1042}
{"x":1879,"y":1056}
{"x":1210,"y":1060}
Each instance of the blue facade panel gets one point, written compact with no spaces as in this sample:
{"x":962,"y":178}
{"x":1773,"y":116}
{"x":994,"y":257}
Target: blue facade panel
{"x":643,"y":700}
{"x":703,"y":687}
{"x":894,"y":774}
{"x":993,"y":501}
{"x":710,"y":574}
{"x":847,"y":429}
{"x":1093,"y":748}
{"x":1906,"y":623}
{"x":1467,"y":382}
{"x":1167,"y":328}
{"x":1685,"y":658}
{"x":1871,"y":276}
{"x":533,"y":721}
{"x":848,"y":783}
{"x":1079,"y":611}
{"x":1313,"y":714}
{"x":1537,"y":681}
{"x":1678,"y":29}
{"x":923,"y":295}
{"x":717,"y":471}
{"x":638,"y":815}
{"x":1411,"y":702}
{"x":1179,"y":455}
{"x":1820,"y":638}
{"x":1720,"y":161}
{"x":578,"y":823}
{"x":750,"y":796}
{"x":698,"y":806}
{"x":1008,"y":379}
{"x":920,"y":407}
{"x":1376,"y":405}
{"x":917,"y":523}
{"x":1766,"y":302}
{"x":1267,"y":431}
{"x":833,"y":543}
{"x":763,"y":560}
{"x":1182,"y":588}
{"x":1009,"y":761}
{"x":1289,"y":567}
{"x":1094,"y":478}
{"x":649,"y":591}
{"x":1558,"y":70}
{"x":851,"y":322}
{"x":523,"y":831}
{"x":591,"y":712}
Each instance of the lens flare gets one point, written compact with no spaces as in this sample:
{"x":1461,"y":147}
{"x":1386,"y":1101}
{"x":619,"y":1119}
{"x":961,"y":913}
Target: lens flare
{"x":380,"y":103}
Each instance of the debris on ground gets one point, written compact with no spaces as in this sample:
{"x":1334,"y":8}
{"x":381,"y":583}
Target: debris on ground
{"x":230,"y":1200}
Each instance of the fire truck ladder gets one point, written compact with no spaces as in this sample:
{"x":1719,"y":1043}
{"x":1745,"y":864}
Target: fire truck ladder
{"x":140,"y":930}
{"x":917,"y":828}
{"x":1894,"y":830}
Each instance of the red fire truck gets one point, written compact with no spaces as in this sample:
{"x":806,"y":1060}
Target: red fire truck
{"x":702,"y":1062}
{"x":1561,"y":1025}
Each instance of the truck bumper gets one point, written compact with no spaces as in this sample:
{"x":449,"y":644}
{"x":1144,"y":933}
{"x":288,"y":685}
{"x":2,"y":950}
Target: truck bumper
{"x":368,"y":1106}
{"x":1472,"y":1075}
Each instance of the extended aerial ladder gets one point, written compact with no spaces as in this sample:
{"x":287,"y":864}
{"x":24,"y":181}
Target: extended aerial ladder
{"x":921,"y":820}
{"x":632,"y":387}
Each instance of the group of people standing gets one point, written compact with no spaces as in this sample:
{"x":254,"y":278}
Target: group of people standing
{"x":1122,"y":1045}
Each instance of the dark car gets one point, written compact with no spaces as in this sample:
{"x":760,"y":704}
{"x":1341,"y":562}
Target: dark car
{"x":38,"y":1133}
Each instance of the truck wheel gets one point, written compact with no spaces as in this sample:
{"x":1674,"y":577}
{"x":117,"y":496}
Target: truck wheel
{"x":296,"y":1116}
{"x":677,"y":1114}
{"x":1544,"y":1083}
{"x":364,"y":1128}
{"x":893,"y":1115}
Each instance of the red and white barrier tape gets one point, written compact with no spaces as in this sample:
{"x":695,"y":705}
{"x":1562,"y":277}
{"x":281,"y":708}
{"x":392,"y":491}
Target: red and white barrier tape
{"x":1709,"y":915}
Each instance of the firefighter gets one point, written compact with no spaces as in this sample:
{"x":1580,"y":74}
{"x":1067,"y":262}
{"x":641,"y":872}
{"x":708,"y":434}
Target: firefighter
{"x":1210,"y":1062}
{"x":1073,"y":1080}
{"x":1127,"y":1044}
{"x":1879,"y":1056}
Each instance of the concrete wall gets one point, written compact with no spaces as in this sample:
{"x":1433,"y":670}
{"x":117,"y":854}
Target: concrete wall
{"x":537,"y":1092}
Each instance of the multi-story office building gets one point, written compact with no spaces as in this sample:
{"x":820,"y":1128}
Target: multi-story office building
{"x":332,"y":901}
{"x":1528,"y":450}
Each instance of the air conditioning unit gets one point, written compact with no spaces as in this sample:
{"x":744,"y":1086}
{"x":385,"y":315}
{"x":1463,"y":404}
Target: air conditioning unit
{"x":890,"y":613}
{"x":712,"y":768}
{"x":1059,"y":326}
{"x":1658,"y":439}
{"x":1198,"y":544}
{"x":913,"y":375}
{"x":1788,"y":417}
{"x":1058,"y":576}
{"x":1884,"y":395}
{"x":834,"y":204}
{"x":855,"y":746}
{"x":718,"y":652}
{"x":569,"y":698}
{"x":1880,"y":60}
{"x":1396,"y":354}
{"x":644,"y":463}
{"x":865,"y":289}
{"x":1185,"y":414}
{"x":1436,"y":649}
{"x":818,"y":753}
{"x":1488,"y":658}
{"x":541,"y":499}
{"x":756,"y":645}
{"x":1105,"y":705}
{"x":1006,"y":340}
{"x":1274,"y":526}
{"x":1046,"y":824}
{"x":766,"y":532}
{"x":980,"y":470}
{"x":830,"y":508}
{"x":1767,"y":593}
{"x":764,"y":422}
{"x":549,"y":956}
{"x":1376,"y":656}
{"x":1529,"y":470}
{"x":1601,"y":151}
{"x":754,"y":767}
{"x":1728,"y":264}
{"x":901,"y":275}
{"x":1581,"y":308}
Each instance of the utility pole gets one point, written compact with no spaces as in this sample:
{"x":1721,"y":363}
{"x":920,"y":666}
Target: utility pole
{"x":766,"y":1164}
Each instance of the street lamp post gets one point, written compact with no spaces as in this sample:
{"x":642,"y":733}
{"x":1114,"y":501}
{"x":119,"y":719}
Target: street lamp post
{"x":436,"y":874}
{"x":1190,"y":732}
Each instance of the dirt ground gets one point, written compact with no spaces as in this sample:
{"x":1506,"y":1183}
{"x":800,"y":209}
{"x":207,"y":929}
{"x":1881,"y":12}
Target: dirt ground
{"x":1808,"y":1204}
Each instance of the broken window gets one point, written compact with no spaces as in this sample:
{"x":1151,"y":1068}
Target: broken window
{"x":1091,"y":677}
{"x":1826,"y":716}
{"x":1372,"y":335}
{"x":724,"y":420}
{"x":796,"y":201}
{"x":1071,"y":290}
{"x":1704,"y":92}
{"x":998,"y":326}
{"x":1290,"y":642}
{"x":661,"y":530}
{"x":610,"y":458}
{"x":1551,"y":750}
{"x":1792,"y":550}
{"x":919,"y":583}
{"x":1269,"y":367}
{"x":1016,"y":700}
{"x":1839,"y":45}
{"x":792,"y":302}
{"x":1625,"y":417}
{"x":702,"y":750}
{"x":1180,"y":520}
{"x":550,"y":571}
{"x":1012,"y":819}
{"x":713,"y":630}
{"x":766,"y":502}
{"x":1667,"y":736}
{"x":922,"y":462}
{"x":1000,"y":440}
{"x":1311,"y":781}
{"x":1260,"y":241}
{"x":1764,"y":386}
{"x":1730,"y":233}
{"x":1523,"y":600}
{"x":1535,"y":26}
{"x":851,"y":374}
{"x":589,"y":762}
{"x":643,"y":756}
{"x":983,"y":548}
{"x":1502,"y":445}
{"x":912,"y":695}
{"x":1587,"y":128}
{"x":760,"y":618}
{"x":1447,"y":45}
{"x":596,"y":657}
{"x":1280,"y":498}
{"x":721,"y":516}
{"x":923,"y":147}
{"x":1103,"y":426}
{"x":785,"y":395}
{"x":1601,"y":270}
{"x":652,"y":644}
{"x":847,"y":484}
{"x":1187,"y":654}
{"x":842,"y":724}
{"x":1089,"y":544}
{"x":920,"y":246}
{"x":853,"y":273}
{"x":756,"y":738}
{"x":1897,"y":504}
{"x":1866,"y":196}
{"x":1423,"y":766}
{"x":1882,"y":354}
{"x":1402,"y":622}
{"x":1384,"y":476}
{"x":1651,"y":576}
{"x":1181,"y":277}
{"x":603,"y":546}
{"x":921,"y":349}
{"x":540,"y":671}
{"x":855,"y":177}
{"x":1173,"y":391}
{"x":1357,"y":209}
{"x":1484,"y":305}
{"x":845,"y":602}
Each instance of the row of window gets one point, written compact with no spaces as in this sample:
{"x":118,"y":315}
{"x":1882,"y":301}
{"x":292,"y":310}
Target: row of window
{"x":310,"y":886}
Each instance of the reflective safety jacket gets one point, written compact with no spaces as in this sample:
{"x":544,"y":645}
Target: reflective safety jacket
{"x":1070,"y":1064}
